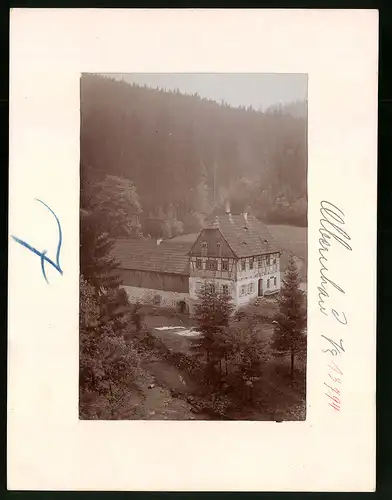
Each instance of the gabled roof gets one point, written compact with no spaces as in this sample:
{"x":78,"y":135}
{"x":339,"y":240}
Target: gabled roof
{"x":146,"y":255}
{"x":245,"y":234}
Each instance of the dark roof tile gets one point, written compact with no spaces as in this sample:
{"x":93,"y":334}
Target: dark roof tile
{"x":246,"y":235}
{"x":146,"y":255}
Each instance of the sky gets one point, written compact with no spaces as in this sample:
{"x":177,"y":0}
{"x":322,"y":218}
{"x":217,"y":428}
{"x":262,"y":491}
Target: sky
{"x":259,"y":90}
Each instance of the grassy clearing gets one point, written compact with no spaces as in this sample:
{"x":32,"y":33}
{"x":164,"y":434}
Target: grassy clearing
{"x":293,"y":240}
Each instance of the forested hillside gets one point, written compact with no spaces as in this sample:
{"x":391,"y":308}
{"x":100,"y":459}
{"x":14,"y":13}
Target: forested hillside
{"x":187,"y":156}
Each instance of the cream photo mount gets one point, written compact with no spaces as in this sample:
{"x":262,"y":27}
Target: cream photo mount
{"x":48,"y":447}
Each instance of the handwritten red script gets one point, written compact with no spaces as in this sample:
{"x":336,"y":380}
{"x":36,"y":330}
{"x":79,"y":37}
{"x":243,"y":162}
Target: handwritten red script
{"x":333,"y":391}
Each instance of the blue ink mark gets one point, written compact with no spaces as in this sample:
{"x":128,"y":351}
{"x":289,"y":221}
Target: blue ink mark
{"x":42,"y":255}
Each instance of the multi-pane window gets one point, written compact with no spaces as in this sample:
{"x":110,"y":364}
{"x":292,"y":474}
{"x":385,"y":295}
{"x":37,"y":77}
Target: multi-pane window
{"x":242,"y":290}
{"x":250,"y":288}
{"x":212,"y":265}
{"x":260,"y":261}
{"x":274,"y":259}
{"x":199,"y":264}
{"x":204,"y":247}
{"x":225,"y":265}
{"x":243,"y":265}
{"x":225,"y":289}
{"x":211,"y":287}
{"x":251,"y":263}
{"x":275,"y":281}
{"x":268,"y":283}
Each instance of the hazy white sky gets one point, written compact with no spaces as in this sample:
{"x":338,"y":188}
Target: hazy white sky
{"x":260,"y":90}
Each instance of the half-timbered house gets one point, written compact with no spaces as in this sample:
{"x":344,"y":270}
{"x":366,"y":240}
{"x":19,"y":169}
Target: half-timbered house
{"x":235,"y":254}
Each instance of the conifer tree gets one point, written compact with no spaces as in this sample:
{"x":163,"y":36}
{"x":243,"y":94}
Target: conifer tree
{"x":107,"y":210}
{"x":107,"y":362}
{"x":289,"y":335}
{"x":212,"y":312}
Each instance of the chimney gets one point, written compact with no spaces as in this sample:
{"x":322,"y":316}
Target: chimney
{"x":159,"y":241}
{"x":228,"y":213}
{"x":215,"y":223}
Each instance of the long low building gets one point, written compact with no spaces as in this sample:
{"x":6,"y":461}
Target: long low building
{"x":233,"y":253}
{"x":154,"y":272}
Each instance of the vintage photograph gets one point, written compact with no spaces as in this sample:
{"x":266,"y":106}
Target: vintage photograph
{"x":193,"y":246}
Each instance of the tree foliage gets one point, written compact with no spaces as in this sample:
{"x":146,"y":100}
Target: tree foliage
{"x":235,"y":351}
{"x":289,"y":334}
{"x":108,"y":364}
{"x":248,"y":355}
{"x":191,"y":155}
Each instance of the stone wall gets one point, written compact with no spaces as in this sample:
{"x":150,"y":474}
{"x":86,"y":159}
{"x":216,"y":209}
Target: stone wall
{"x":161,"y":298}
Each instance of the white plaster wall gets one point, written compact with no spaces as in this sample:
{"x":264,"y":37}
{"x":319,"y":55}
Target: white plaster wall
{"x":271,"y":276}
{"x":194,"y":280}
{"x":146,"y":296}
{"x":244,"y":299}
